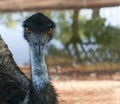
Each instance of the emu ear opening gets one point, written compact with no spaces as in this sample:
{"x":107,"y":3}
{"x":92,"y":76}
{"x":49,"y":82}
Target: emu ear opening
{"x":28,"y":30}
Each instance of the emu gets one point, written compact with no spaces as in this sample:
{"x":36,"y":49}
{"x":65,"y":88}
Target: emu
{"x":15,"y":87}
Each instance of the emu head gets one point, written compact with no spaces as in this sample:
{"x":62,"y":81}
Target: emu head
{"x":38,"y":30}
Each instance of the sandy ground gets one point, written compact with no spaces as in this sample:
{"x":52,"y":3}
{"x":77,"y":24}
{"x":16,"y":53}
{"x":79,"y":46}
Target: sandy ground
{"x":76,"y":87}
{"x":88,"y":92}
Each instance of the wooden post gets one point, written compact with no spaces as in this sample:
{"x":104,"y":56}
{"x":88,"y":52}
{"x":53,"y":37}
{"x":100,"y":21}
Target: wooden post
{"x":33,"y":5}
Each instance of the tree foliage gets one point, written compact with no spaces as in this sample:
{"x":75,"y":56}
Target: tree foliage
{"x":84,"y":40}
{"x":88,"y":40}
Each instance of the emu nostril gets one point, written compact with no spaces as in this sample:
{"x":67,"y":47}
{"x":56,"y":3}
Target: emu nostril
{"x":42,"y":44}
{"x":35,"y":43}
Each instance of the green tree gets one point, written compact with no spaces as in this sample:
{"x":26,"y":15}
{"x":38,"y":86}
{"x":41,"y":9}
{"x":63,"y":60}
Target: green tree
{"x":81,"y":33}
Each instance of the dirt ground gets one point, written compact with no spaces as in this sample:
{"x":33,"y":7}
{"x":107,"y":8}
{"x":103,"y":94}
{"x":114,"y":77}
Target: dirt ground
{"x":88,"y":92}
{"x":76,"y":86}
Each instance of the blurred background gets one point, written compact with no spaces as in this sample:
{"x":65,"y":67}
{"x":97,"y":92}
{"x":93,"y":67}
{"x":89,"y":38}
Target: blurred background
{"x":84,"y":55}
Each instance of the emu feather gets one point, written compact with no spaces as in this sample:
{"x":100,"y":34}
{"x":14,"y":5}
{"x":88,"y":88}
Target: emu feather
{"x":15,"y":87}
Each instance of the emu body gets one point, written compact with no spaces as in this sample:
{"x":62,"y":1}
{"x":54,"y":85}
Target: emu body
{"x":9,"y":66}
{"x":21,"y":90}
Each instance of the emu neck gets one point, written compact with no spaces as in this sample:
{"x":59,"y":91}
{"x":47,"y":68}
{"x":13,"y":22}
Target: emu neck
{"x":39,"y":72}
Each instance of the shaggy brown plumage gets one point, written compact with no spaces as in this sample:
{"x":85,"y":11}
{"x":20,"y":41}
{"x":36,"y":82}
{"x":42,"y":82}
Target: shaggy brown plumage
{"x":10,"y":67}
{"x":15,"y":87}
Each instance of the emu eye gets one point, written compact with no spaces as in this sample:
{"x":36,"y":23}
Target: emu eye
{"x":49,"y":30}
{"x":28,"y":30}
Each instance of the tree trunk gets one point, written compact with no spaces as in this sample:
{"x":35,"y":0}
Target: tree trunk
{"x":96,"y":14}
{"x":75,"y":35}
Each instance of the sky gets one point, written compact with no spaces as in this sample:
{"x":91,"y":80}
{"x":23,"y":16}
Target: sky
{"x":19,"y":47}
{"x":16,"y":43}
{"x":112,"y":14}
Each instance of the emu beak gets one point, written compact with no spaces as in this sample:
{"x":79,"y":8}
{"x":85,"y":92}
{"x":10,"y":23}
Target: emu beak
{"x":40,"y":47}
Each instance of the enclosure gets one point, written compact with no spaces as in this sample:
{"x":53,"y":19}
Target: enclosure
{"x":84,"y":55}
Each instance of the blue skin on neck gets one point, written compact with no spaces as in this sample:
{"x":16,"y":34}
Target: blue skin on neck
{"x":38,"y":70}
